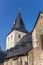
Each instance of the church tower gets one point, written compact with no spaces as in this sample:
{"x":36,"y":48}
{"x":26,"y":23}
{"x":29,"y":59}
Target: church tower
{"x":17,"y":32}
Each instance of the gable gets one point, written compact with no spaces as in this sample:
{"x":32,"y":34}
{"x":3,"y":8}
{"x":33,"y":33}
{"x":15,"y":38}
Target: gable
{"x":39,"y":21}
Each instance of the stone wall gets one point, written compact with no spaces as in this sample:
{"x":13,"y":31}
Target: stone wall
{"x":36,"y":39}
{"x":2,"y":63}
{"x":10,"y":62}
{"x":22,"y":60}
{"x":36,"y":58}
{"x":30,"y":57}
{"x":37,"y":32}
{"x":5,"y":62}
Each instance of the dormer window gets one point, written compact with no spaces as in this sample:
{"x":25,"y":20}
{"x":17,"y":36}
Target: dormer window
{"x":19,"y":36}
{"x":42,"y":41}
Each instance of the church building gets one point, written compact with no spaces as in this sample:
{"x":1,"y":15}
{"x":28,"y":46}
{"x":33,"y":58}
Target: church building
{"x":24,"y":47}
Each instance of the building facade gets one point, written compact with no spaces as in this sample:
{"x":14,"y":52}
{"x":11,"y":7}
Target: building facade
{"x":23,"y":47}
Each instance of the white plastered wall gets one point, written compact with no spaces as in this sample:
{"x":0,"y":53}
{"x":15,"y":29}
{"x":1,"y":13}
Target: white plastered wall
{"x":15,"y":39}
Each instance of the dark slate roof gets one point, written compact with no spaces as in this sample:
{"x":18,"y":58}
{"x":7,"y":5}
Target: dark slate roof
{"x":19,"y":22}
{"x":26,"y":39}
{"x":19,"y":25}
{"x":2,"y":55}
{"x":22,"y":47}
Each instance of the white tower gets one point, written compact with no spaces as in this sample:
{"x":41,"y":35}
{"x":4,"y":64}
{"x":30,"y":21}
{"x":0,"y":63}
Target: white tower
{"x":17,"y":32}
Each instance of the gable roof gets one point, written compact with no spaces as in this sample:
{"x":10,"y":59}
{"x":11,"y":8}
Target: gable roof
{"x":2,"y":55}
{"x":36,"y":21}
{"x":22,"y":47}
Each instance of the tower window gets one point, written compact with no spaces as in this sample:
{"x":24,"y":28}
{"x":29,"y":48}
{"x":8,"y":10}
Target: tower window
{"x":42,"y":41}
{"x":11,"y":37}
{"x":19,"y":36}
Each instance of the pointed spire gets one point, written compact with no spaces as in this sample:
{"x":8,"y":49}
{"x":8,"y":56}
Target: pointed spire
{"x":18,"y":22}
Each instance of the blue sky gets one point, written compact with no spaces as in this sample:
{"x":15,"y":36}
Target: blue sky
{"x":8,"y":11}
